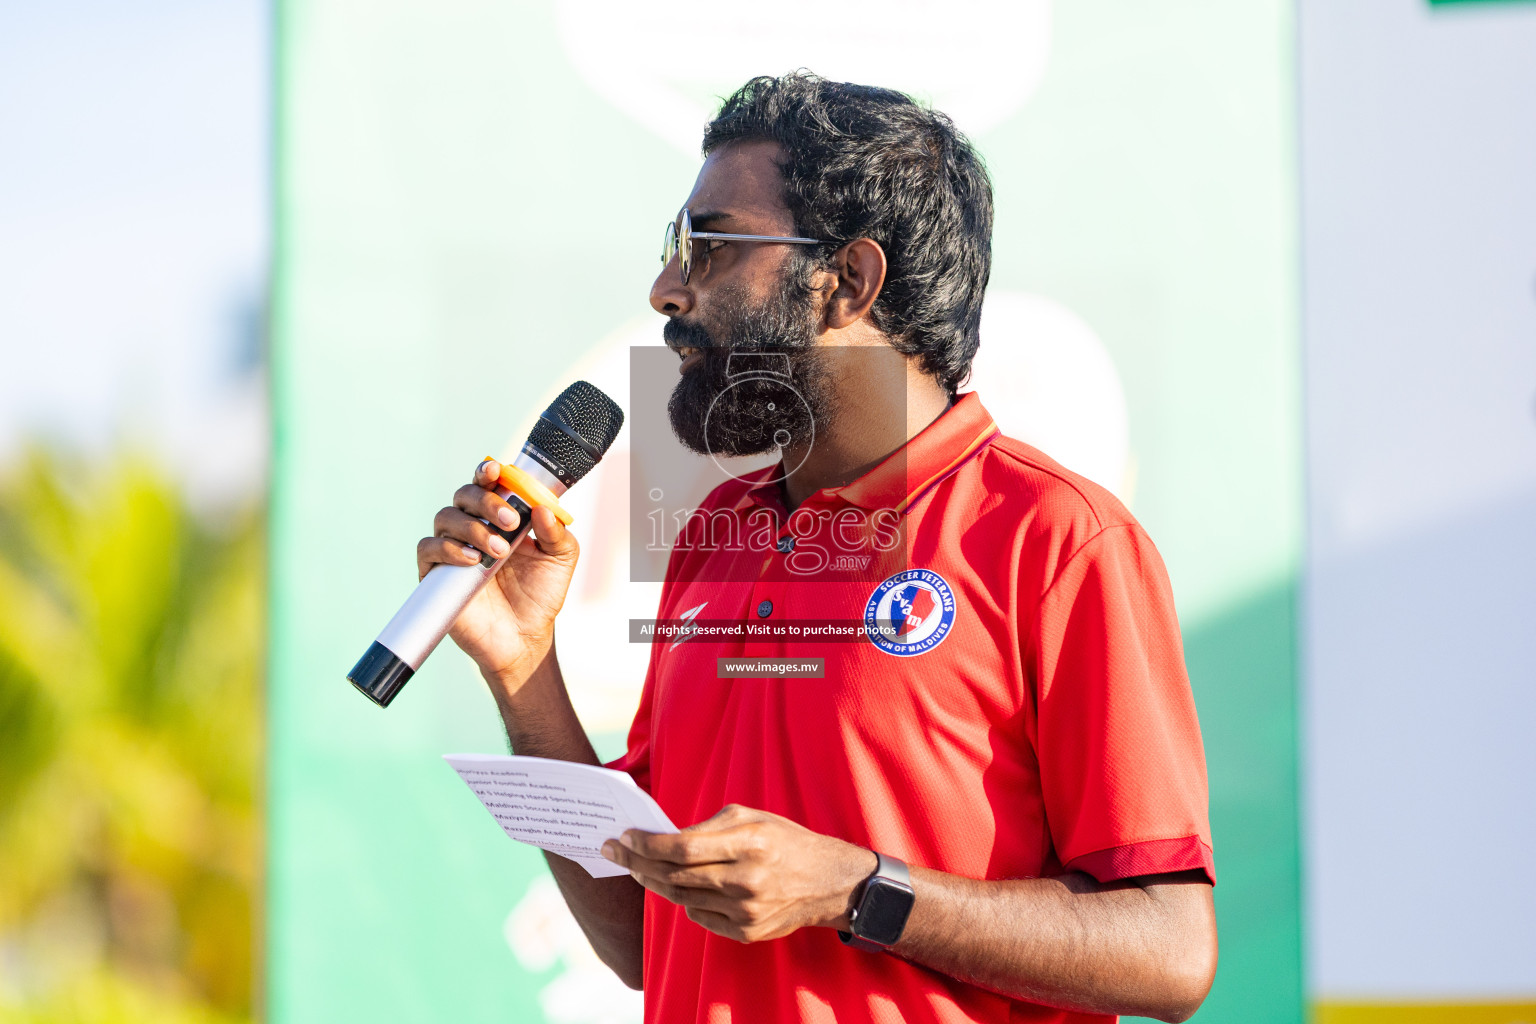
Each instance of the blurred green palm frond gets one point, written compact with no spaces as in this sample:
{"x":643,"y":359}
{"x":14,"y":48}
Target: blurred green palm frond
{"x":130,"y":734}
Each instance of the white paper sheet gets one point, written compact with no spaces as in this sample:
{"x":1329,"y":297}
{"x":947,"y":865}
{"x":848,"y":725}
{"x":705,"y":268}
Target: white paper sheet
{"x":560,"y":806}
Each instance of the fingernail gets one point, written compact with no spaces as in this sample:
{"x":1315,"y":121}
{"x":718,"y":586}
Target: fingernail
{"x":507,"y":518}
{"x":498,"y":547}
{"x":611,"y":850}
{"x":471,"y":552}
{"x":629,"y":844}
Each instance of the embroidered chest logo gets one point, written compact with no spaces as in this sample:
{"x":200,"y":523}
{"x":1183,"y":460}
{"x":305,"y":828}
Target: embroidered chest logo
{"x":910,"y":613}
{"x":690,"y":627}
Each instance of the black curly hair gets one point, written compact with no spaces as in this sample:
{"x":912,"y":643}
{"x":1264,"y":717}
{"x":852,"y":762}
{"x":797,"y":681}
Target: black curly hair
{"x":864,"y":162}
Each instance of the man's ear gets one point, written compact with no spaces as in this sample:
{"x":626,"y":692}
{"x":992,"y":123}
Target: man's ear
{"x":860,"y":268}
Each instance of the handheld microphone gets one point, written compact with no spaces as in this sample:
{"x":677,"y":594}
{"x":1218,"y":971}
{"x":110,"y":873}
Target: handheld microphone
{"x":568,"y":440}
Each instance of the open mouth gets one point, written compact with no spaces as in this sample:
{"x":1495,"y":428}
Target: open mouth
{"x":690,"y":357}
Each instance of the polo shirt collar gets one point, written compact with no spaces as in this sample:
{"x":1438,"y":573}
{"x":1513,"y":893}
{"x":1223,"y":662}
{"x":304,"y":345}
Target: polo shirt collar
{"x":906,"y":474}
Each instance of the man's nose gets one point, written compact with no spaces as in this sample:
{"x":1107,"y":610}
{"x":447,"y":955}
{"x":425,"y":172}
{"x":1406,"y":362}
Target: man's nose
{"x":669,"y":296}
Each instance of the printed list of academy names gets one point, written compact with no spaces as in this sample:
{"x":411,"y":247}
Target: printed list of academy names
{"x":568,"y":819}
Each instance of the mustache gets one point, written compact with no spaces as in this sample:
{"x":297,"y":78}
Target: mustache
{"x":679,"y":333}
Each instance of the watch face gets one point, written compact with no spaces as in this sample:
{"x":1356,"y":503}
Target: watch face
{"x":883,"y":911}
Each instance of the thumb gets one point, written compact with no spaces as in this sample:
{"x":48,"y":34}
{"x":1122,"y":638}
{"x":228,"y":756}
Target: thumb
{"x":551,"y":535}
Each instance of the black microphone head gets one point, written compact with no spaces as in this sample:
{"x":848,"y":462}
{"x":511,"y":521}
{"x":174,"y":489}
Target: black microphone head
{"x":575,"y":431}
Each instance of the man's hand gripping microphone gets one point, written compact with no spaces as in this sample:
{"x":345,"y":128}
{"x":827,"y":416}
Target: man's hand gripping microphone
{"x":569,"y":439}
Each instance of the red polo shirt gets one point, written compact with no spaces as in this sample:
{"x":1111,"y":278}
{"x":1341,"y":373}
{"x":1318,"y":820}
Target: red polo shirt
{"x":1017,"y":708}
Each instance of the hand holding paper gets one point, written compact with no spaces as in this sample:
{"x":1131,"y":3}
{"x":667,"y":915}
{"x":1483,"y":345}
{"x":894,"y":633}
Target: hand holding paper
{"x":561,"y":806}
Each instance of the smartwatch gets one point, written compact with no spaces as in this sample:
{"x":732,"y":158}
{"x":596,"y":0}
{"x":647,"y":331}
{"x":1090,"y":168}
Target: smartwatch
{"x":884,"y":902}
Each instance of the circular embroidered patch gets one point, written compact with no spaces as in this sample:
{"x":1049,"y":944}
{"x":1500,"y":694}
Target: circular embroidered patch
{"x":910,"y":613}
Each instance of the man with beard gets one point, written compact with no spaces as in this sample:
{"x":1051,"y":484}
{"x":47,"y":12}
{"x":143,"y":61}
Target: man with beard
{"x":992,"y":806}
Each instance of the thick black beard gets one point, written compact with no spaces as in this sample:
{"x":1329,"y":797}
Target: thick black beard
{"x":712,"y":414}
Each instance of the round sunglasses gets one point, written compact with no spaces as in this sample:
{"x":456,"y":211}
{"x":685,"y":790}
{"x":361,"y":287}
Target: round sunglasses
{"x":680,"y":235}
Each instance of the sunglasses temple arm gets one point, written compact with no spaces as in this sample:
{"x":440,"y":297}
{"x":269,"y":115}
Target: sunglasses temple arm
{"x":755,"y":238}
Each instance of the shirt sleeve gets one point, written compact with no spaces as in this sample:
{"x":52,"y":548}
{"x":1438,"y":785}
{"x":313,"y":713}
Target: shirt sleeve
{"x":1122,"y":767}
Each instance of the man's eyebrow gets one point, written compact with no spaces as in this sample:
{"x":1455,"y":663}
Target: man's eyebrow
{"x":703,"y":221}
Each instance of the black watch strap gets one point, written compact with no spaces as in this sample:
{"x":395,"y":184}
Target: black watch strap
{"x":890,"y":886}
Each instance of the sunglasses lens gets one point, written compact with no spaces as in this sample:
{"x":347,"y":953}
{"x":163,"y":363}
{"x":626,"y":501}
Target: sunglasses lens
{"x":678,"y":241}
{"x":668,"y":244}
{"x":685,"y":243}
